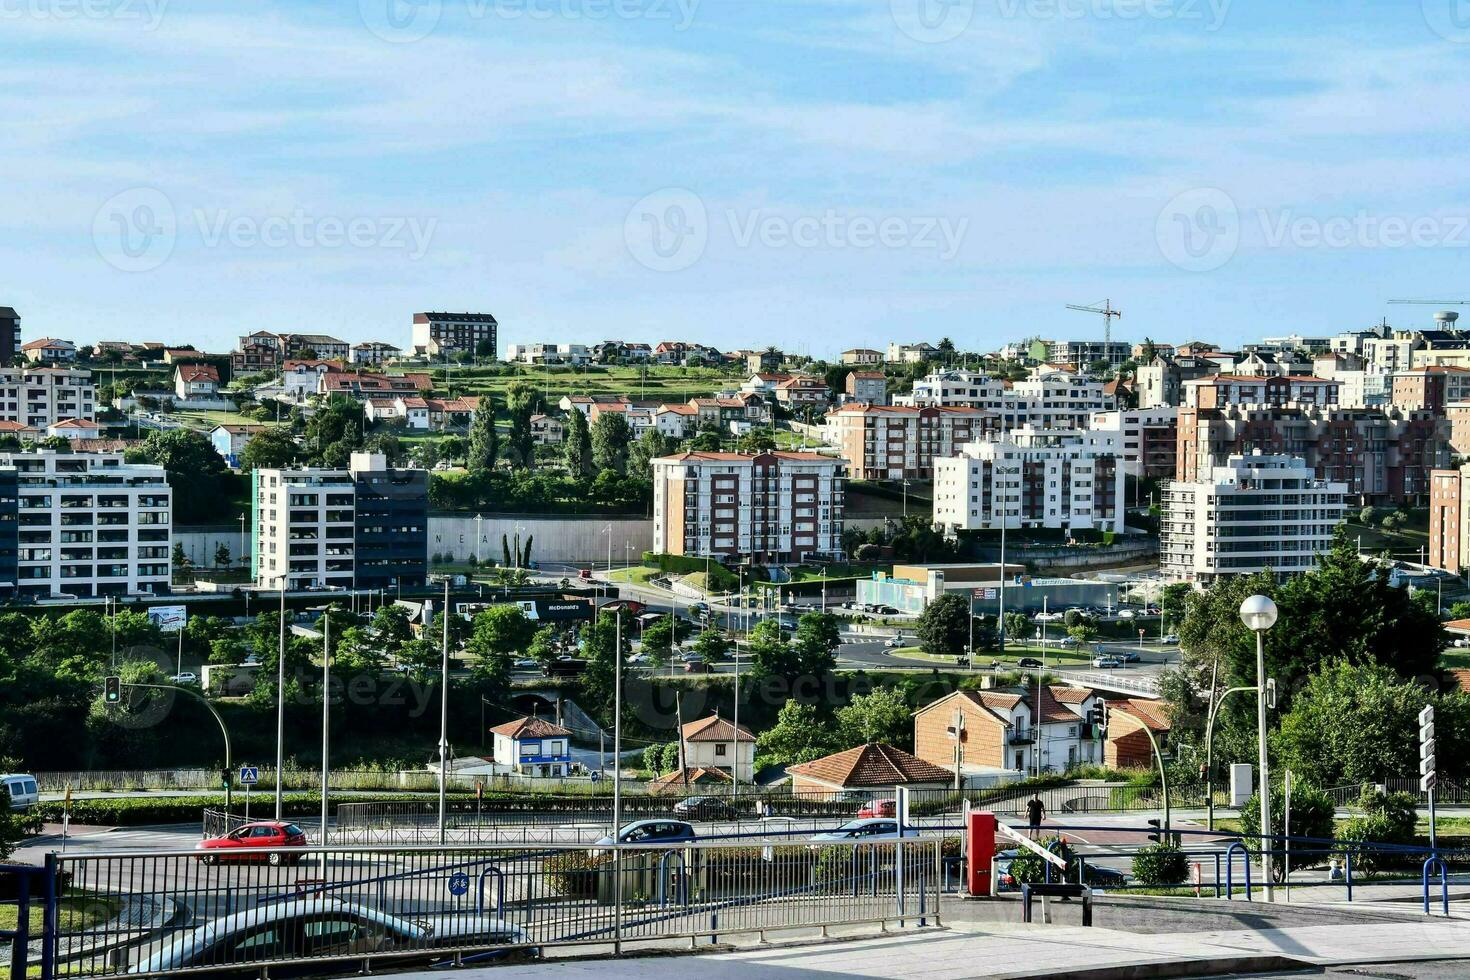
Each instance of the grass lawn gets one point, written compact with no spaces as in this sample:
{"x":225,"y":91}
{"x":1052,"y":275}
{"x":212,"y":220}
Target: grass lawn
{"x":1054,"y":657}
{"x":75,"y":912}
{"x":665,"y":384}
{"x":208,"y":420}
{"x":1403,"y":543}
{"x":1455,"y":657}
{"x":636,"y":575}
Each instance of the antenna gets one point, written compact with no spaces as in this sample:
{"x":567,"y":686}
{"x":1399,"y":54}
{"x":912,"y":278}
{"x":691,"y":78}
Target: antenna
{"x":1106,"y":311}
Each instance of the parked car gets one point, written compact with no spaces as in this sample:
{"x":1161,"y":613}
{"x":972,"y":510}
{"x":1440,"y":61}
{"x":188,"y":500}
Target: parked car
{"x":254,"y":842}
{"x":1030,"y":663}
{"x":526,"y":663}
{"x":1127,"y":614}
{"x":22,"y":790}
{"x":653,"y":832}
{"x":1106,"y":662}
{"x":1170,"y":638}
{"x":866,"y":829}
{"x":187,"y":677}
{"x":879,"y":808}
{"x":1067,"y":641}
{"x":312,"y":932}
{"x":1129,"y":657}
{"x":704,"y":808}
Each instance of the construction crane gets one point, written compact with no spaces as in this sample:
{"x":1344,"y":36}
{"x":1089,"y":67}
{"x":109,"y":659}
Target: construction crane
{"x":1106,"y":311}
{"x":1429,"y":302}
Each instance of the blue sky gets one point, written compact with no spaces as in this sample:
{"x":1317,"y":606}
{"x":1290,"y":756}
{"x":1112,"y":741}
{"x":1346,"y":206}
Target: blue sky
{"x":815,"y":174}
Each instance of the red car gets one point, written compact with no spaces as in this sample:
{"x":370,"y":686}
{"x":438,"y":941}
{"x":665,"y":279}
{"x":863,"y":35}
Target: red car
{"x":878,"y":808}
{"x":246,"y":844}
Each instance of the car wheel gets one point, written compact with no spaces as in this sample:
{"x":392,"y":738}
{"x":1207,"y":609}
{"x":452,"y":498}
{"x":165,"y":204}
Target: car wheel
{"x":276,"y":859}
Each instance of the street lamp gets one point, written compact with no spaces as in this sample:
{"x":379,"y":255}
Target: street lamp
{"x":1259,"y":613}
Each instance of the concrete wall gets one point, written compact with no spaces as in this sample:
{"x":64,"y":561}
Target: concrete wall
{"x":557,"y":539}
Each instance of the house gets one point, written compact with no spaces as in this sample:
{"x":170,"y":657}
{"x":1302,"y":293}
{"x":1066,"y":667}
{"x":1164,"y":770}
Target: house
{"x":584,"y":403}
{"x":867,"y":387}
{"x":1129,"y":723}
{"x":49,"y":350}
{"x":547,"y":431}
{"x":254,"y":358}
{"x":681,"y":780}
{"x":230,"y":440}
{"x":533,"y":747}
{"x":452,"y":413}
{"x":10,"y":427}
{"x":802,"y":391}
{"x":374,"y":352}
{"x":764,"y":382}
{"x":303,"y":379}
{"x":413,"y":409}
{"x":196,"y":381}
{"x":911,"y":353}
{"x":763,"y":360}
{"x":990,"y":732}
{"x":862,"y":356}
{"x":364,"y":385}
{"x":874,"y":766}
{"x":676,"y":421}
{"x":174,"y":356}
{"x":718,"y":412}
{"x":711,"y":743}
{"x":74,"y":429}
{"x":316,"y":346}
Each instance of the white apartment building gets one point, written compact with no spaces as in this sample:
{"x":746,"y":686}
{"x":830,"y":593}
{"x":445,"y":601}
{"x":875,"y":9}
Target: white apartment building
{"x":1081,"y":354}
{"x":1254,"y":514}
{"x":306,"y":524}
{"x":1147,"y":438}
{"x":1049,"y":399}
{"x":39,"y":397}
{"x":85,"y":524}
{"x":882,"y":442}
{"x":770,"y":508}
{"x":1064,"y":479}
{"x":548,"y":354}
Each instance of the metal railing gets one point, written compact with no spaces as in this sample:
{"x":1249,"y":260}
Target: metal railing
{"x":163,"y":912}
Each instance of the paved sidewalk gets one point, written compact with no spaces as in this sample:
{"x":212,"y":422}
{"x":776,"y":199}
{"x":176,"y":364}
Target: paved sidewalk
{"x":1035,"y":951}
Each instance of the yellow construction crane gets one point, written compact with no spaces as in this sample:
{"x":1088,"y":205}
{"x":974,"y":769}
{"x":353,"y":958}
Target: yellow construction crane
{"x":1106,"y":311}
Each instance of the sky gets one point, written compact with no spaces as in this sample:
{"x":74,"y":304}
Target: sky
{"x":811,"y":174}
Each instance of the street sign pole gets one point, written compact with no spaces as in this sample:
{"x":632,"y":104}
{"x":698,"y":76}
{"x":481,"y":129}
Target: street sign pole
{"x":1428,"y":775}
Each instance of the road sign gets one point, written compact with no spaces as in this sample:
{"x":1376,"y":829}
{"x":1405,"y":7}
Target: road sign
{"x":249,"y":775}
{"x":1428,"y":781}
{"x":459,"y":883}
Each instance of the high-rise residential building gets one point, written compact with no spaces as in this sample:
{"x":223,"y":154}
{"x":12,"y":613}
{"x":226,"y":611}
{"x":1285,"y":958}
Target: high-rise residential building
{"x":888,"y":442}
{"x":1049,"y":399}
{"x":1068,"y":479}
{"x":440,"y":334}
{"x":1148,"y":439}
{"x":1383,"y":456}
{"x":362,"y":527}
{"x":1082,"y":354}
{"x":768,"y":508}
{"x":83,"y":525}
{"x":1449,"y":519}
{"x":1253,"y":514}
{"x":42,"y":396}
{"x":9,"y":336}
{"x":1160,"y":382}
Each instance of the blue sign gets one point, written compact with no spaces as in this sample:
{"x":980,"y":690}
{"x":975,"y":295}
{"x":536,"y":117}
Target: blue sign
{"x":459,"y":883}
{"x":249,"y":775}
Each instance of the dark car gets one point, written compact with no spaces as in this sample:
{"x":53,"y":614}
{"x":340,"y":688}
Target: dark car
{"x":653,"y":832}
{"x":704,"y":808}
{"x":1031,"y":663}
{"x":1130,"y":657}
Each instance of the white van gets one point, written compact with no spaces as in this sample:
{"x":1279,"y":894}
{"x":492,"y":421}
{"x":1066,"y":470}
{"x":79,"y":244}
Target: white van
{"x":22,"y":789}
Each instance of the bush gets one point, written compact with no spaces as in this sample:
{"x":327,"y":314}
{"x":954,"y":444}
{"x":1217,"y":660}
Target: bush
{"x":1028,"y":868}
{"x":573,"y":873}
{"x":1312,"y":815}
{"x":1160,"y":864}
{"x":1388,"y":818}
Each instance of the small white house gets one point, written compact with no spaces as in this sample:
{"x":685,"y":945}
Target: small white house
{"x":533,"y":747}
{"x":196,"y":381}
{"x":714,"y":743}
{"x":74,"y":429}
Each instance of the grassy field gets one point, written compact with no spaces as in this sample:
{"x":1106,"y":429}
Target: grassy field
{"x":1054,"y":657}
{"x":208,"y":420}
{"x":666,"y":384}
{"x":636,"y":575}
{"x":1403,"y":543}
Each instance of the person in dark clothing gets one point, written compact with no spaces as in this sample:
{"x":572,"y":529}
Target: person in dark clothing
{"x":1035,"y":811}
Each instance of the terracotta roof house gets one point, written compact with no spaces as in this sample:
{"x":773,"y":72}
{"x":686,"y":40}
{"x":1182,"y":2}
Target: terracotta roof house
{"x":196,"y":380}
{"x":871,"y":766}
{"x":74,"y":429}
{"x":694,"y":776}
{"x":1128,"y":745}
{"x":993,"y":732}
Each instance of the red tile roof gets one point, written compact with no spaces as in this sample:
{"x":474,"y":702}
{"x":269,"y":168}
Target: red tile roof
{"x":1153,"y":714}
{"x":699,"y":775}
{"x":530,"y":728}
{"x":874,"y":764}
{"x":198,"y":372}
{"x":714,"y":729}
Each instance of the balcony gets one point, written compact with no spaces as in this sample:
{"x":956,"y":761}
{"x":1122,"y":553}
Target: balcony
{"x":1021,"y":736}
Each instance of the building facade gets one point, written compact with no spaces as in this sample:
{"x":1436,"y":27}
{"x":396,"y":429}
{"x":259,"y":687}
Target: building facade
{"x":83,"y":525}
{"x":1048,"y":399}
{"x":437,"y":334}
{"x":1160,"y":383}
{"x":1253,"y":514}
{"x":42,"y":396}
{"x":1449,"y":532}
{"x":888,"y":442}
{"x":1032,"y":478}
{"x":1147,"y":439}
{"x":9,"y":336}
{"x":770,"y":507}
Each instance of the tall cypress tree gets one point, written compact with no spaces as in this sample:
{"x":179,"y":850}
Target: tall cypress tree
{"x":484,"y":439}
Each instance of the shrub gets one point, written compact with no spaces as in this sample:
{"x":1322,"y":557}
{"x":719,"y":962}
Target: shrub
{"x":573,"y":873}
{"x":1312,"y":815}
{"x":1160,"y":864}
{"x":1028,"y":868}
{"x":1388,"y":818}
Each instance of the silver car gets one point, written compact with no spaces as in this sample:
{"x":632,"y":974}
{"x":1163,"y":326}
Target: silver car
{"x":313,"y":932}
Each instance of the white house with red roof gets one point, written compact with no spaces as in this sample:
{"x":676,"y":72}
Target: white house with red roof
{"x":196,"y":381}
{"x":74,"y":429}
{"x":532,"y":747}
{"x":714,"y":743}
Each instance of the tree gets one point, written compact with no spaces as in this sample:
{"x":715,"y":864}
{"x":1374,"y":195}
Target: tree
{"x":390,"y":629}
{"x":660,"y":636}
{"x":603,"y":654}
{"x":222,"y":555}
{"x":882,"y":716}
{"x":816,"y":642}
{"x":1018,"y":627}
{"x":1365,"y":516}
{"x":945,"y":625}
{"x":712,"y":645}
{"x":756,"y":441}
{"x":543,"y":645}
{"x":195,"y":473}
{"x":799,"y":735}
{"x":271,"y":448}
{"x":521,"y":443}
{"x":501,"y":631}
{"x":771,"y":653}
{"x":423,"y":658}
{"x":653,"y":445}
{"x":484,"y":438}
{"x":611,"y":436}
{"x":577,"y":445}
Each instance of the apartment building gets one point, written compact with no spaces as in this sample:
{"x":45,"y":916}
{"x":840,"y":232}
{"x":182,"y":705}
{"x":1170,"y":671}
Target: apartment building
{"x":1434,"y":388}
{"x":9,"y":335}
{"x":911,"y":353}
{"x":548,"y":354}
{"x":1082,"y":354}
{"x":438,"y":334}
{"x":1147,"y":439}
{"x":1383,"y":456}
{"x":42,"y":396}
{"x":1358,"y":385}
{"x":1050,"y":398}
{"x":374,"y":352}
{"x":1449,"y":519}
{"x":1255,"y":513}
{"x":1160,"y":383}
{"x":363,"y":527}
{"x":887,"y":442}
{"x":1221,"y":390}
{"x":769,"y":508}
{"x":1065,"y":479}
{"x":863,"y":356}
{"x":868,"y":387}
{"x":83,"y":525}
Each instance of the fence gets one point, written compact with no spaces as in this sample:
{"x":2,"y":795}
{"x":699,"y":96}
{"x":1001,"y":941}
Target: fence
{"x":164,"y":912}
{"x":1448,"y":792}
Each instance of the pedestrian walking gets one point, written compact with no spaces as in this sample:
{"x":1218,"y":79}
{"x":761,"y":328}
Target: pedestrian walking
{"x":1035,"y":811}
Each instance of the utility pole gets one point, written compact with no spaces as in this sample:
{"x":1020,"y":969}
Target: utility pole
{"x":326,"y":712}
{"x":281,"y":702}
{"x":444,"y":719}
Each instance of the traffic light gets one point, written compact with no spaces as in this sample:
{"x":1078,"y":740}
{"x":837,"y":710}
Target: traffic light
{"x":1157,"y":836}
{"x":112,"y":691}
